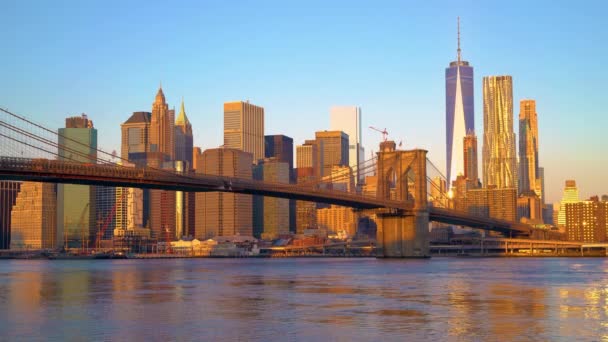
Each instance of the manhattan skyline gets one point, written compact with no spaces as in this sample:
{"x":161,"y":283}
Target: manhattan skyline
{"x":391,"y":65}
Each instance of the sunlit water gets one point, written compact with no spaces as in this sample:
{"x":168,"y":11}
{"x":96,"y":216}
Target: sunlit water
{"x":305,"y":299}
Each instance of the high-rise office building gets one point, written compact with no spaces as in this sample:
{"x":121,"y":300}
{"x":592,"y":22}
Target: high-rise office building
{"x":495,"y":203}
{"x":333,"y":150}
{"x":105,"y":218}
{"x":271,"y":215}
{"x":529,"y":175}
{"x":459,"y":112}
{"x":587,"y":221}
{"x":183,"y":138}
{"x":224,"y":213}
{"x":135,"y":133}
{"x":348,"y":120}
{"x":570,"y":195}
{"x":306,"y":212}
{"x":33,"y":219}
{"x":471,"y":167}
{"x":8,"y":195}
{"x":281,"y":148}
{"x":76,"y":206}
{"x":184,"y":162}
{"x":244,"y":128}
{"x":529,"y":208}
{"x":197,"y":156}
{"x":337,"y":219}
{"x":308,"y":155}
{"x":499,"y":158}
{"x":162,"y":132}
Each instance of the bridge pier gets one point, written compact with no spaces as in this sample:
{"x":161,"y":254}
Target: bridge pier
{"x":403,"y":236}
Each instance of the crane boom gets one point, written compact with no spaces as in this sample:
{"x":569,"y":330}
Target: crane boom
{"x":382,"y":131}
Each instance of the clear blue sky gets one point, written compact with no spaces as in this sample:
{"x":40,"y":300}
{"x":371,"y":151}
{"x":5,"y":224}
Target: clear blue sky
{"x":298,"y":58}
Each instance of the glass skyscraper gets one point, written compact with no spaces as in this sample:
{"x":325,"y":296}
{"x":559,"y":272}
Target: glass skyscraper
{"x":459,"y":112}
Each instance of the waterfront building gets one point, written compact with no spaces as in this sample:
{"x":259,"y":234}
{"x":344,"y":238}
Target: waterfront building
{"x":348,"y":120}
{"x":333,"y":150}
{"x":244,"y":128}
{"x":494,"y":203}
{"x":306,"y":212}
{"x":8,"y":196}
{"x":270,"y":214}
{"x":281,"y":148}
{"x":162,"y":131}
{"x":460,"y":112}
{"x":34,"y":218}
{"x":337,"y":219}
{"x":76,"y":204}
{"x":529,"y":171}
{"x":135,"y":133}
{"x":499,"y":158}
{"x":223,"y":213}
{"x":105,"y":202}
{"x":570,"y":195}
{"x":587,"y":221}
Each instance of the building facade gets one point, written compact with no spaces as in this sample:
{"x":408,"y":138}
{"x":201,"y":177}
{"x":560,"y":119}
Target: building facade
{"x":499,"y":158}
{"x":494,"y":203}
{"x":348,"y":120}
{"x":8,"y":195}
{"x":162,"y":131}
{"x":183,"y":138}
{"x":333,"y":150}
{"x":244,"y":128}
{"x":271,"y":215}
{"x":281,"y":148}
{"x":471,"y":166}
{"x":135,"y":133}
{"x":224,"y":213}
{"x":34,"y":218}
{"x":529,"y":178}
{"x":76,"y":204}
{"x":306,"y":212}
{"x":459,"y":112}
{"x":587,"y":221}
{"x":570,"y":195}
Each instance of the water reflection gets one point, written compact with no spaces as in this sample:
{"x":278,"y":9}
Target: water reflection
{"x":293,"y":299}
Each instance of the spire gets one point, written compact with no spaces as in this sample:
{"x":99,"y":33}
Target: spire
{"x":182,"y":119}
{"x":160,"y":96}
{"x":458,"y":41}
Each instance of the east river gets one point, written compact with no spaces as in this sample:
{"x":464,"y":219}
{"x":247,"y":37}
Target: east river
{"x":307,"y":299}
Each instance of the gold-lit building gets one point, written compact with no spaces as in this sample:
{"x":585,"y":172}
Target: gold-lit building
{"x":135,"y":134}
{"x":336,"y":219}
{"x":529,"y":178}
{"x":271,"y":214}
{"x":162,"y":123}
{"x":333,"y":147}
{"x":529,"y":208}
{"x":197,"y":158}
{"x":306,"y":212}
{"x":244,"y":128}
{"x":183,"y":138}
{"x":308,"y":156}
{"x":570,"y":195}
{"x":499,"y":158}
{"x":34,"y":218}
{"x":471,"y":166}
{"x":587,"y":221}
{"x":495,"y":203}
{"x":224,"y":213}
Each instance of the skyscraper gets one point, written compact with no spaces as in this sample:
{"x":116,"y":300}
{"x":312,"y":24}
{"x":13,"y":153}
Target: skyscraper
{"x":348,"y":120}
{"x":135,"y":133}
{"x":224,"y":213}
{"x":308,"y":155}
{"x":459,"y":111}
{"x":244,"y":128}
{"x":333,"y":150}
{"x":33,"y":219}
{"x":471,"y":167}
{"x":162,"y":135}
{"x":271,"y":215}
{"x":570,"y":196}
{"x":529,"y":175}
{"x":281,"y":148}
{"x":499,"y":158}
{"x":76,"y":209}
{"x":183,"y":138}
{"x":8,"y":195}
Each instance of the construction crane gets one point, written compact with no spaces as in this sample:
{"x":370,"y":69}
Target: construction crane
{"x":384,"y":132}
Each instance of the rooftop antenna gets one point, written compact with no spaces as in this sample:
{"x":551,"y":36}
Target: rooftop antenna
{"x":458,"y":40}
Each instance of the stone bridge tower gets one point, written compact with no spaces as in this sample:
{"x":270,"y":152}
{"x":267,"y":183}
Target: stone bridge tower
{"x":402,"y":177}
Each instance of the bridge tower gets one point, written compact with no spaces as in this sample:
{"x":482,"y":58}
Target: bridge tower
{"x":402,"y":177}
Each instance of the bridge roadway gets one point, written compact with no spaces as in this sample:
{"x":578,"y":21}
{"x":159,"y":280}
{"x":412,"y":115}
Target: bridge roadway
{"x":54,"y":171}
